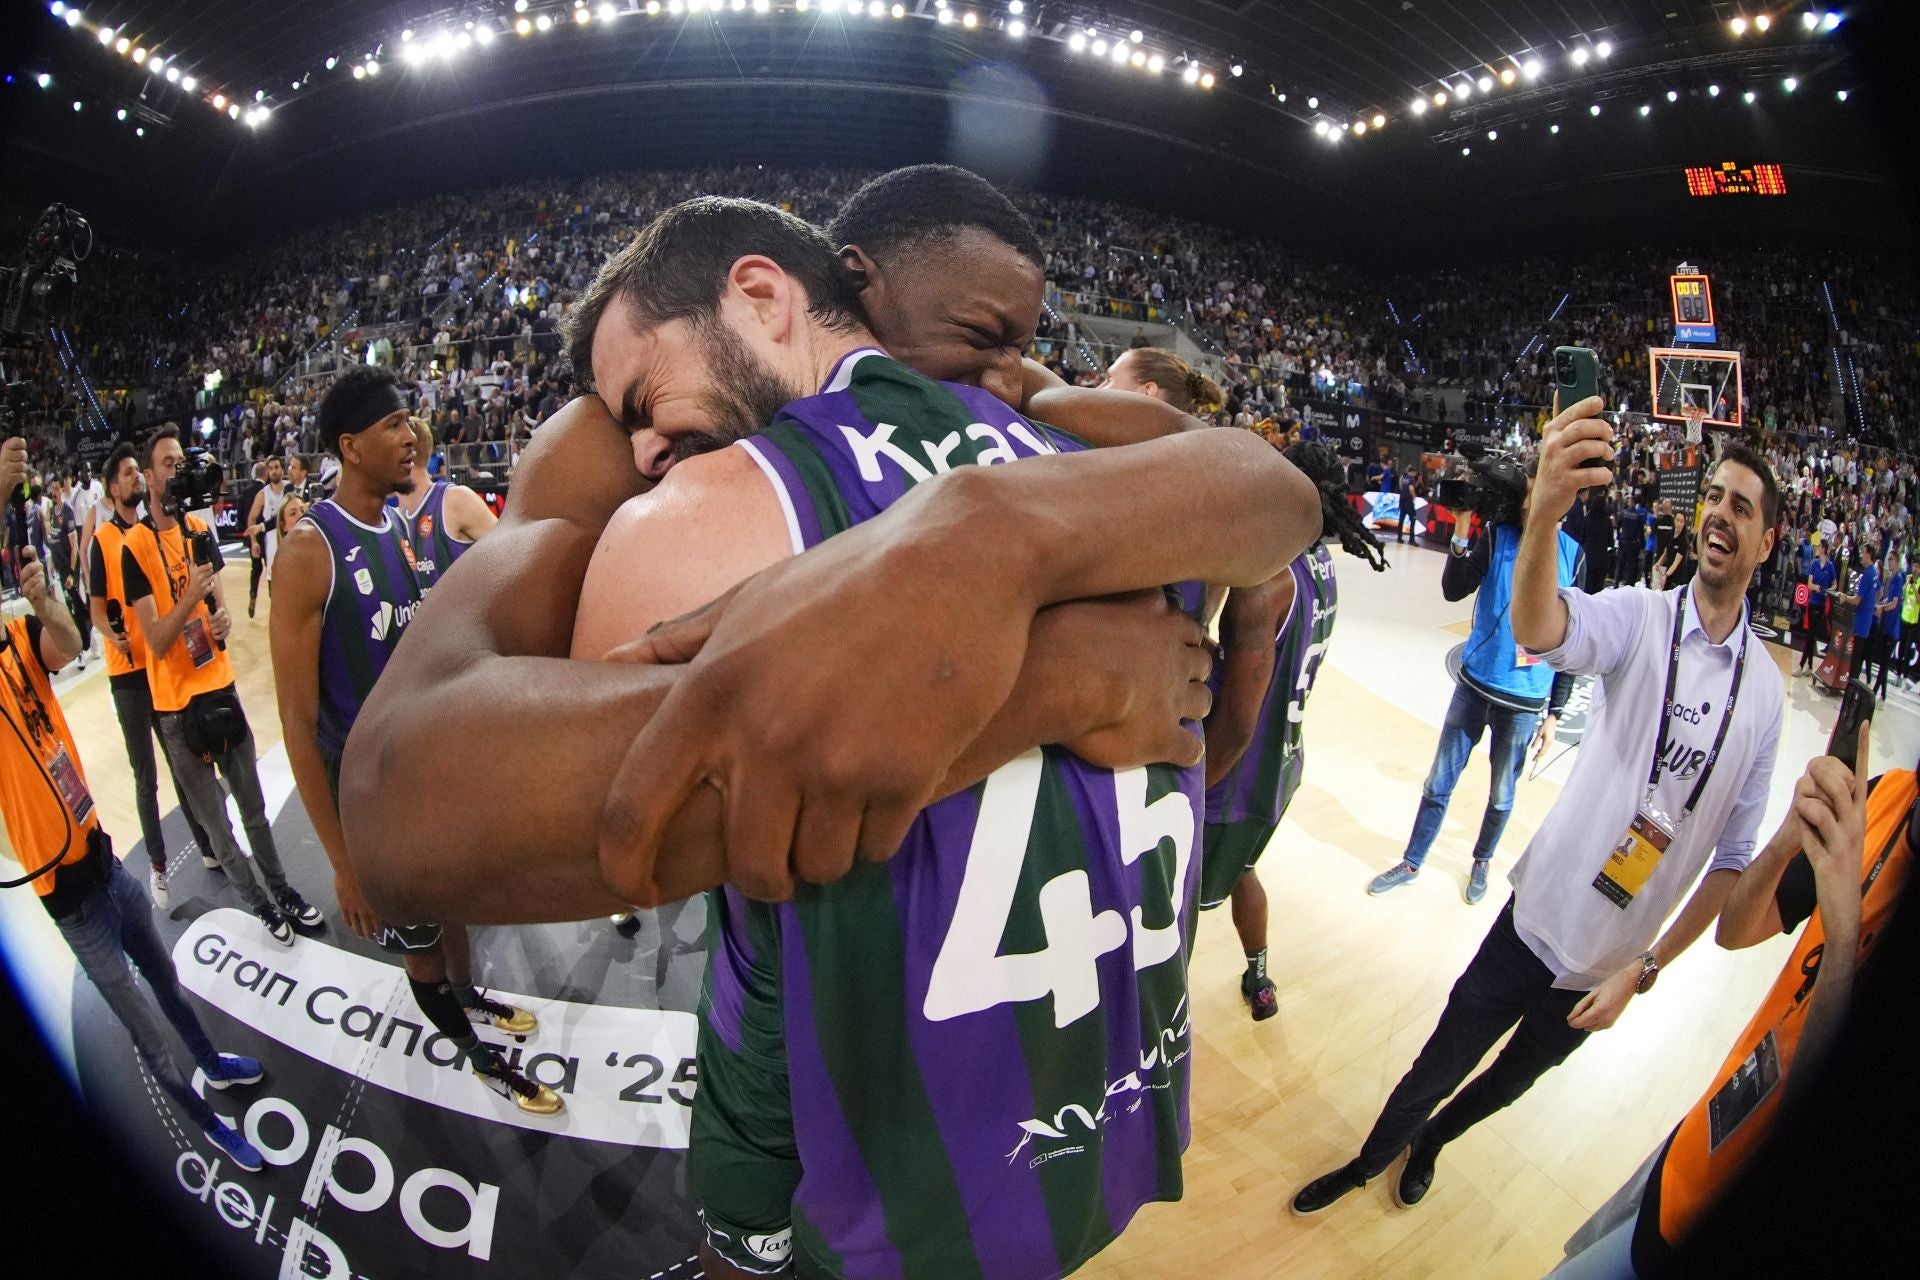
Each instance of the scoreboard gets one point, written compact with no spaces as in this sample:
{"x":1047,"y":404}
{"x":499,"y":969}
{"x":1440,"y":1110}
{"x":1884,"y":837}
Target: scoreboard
{"x":1692,"y":295}
{"x":1731,"y":179}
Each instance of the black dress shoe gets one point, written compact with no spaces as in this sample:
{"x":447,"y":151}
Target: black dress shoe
{"x":1416,"y":1176}
{"x":1320,"y":1194}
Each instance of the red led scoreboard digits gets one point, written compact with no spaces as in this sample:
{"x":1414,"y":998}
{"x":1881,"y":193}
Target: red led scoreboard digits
{"x":1731,"y":179}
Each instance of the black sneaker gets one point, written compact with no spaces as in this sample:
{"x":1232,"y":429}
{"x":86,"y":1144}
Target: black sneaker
{"x":1261,"y":998}
{"x":1416,"y":1176}
{"x":300,"y":913}
{"x":277,"y":927}
{"x":1319,"y":1195}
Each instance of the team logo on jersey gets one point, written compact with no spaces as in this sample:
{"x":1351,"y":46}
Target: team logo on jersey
{"x":426,"y":526}
{"x":389,"y":621}
{"x":406,"y":549}
{"x":770,"y":1248}
{"x":363,"y":579}
{"x":353,"y":553}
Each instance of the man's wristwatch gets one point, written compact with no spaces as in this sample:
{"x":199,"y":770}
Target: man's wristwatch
{"x":1649,"y":972}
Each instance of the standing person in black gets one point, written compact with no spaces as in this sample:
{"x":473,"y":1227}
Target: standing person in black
{"x":1662,"y":535}
{"x":1409,"y":530}
{"x":1596,"y":537}
{"x":1630,"y":530}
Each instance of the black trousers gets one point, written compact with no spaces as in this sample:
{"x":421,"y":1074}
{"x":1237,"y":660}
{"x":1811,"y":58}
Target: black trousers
{"x":133,"y":705}
{"x":1505,"y":984}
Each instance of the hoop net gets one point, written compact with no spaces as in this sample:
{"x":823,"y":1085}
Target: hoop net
{"x":1694,"y":416}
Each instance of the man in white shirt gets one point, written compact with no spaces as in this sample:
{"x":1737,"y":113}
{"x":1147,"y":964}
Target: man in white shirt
{"x":1654,"y":799}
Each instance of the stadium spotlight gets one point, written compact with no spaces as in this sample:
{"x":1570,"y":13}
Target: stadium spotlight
{"x":1156,"y":64}
{"x":1553,"y":128}
{"x":582,"y":17}
{"x":1738,"y":26}
{"x":1809,"y":20}
{"x":189,"y":83}
{"x":900,"y":11}
{"x":1579,"y":56}
{"x":1360,"y":128}
{"x":1484,"y":84}
{"x":219,"y":102}
{"x":1099,"y":48}
{"x":1594,"y":110}
{"x":1440,"y":98}
{"x":73,"y":16}
{"x":139,"y":53}
{"x":608,"y":13}
{"x":76,"y":104}
{"x":1762,"y":22}
{"x":411,"y":54}
{"x":121,"y":45}
{"x":106,"y":36}
{"x":1136,"y":35}
{"x":1016,"y":7}
{"x":233,"y":111}
{"x":653,"y":8}
{"x":543,"y":23}
{"x":1790,"y":84}
{"x":1138,"y":59}
{"x":1418,"y":106}
{"x":1320,"y":128}
{"x":799,"y":6}
{"x":1534,"y":68}
{"x":1463,"y":90}
{"x":140,"y":132}
{"x":1646,"y":108}
{"x":45,"y":81}
{"x":1713,"y":91}
{"x":359,"y":72}
{"x":1207,"y":81}
{"x":57,"y":8}
{"x":1237,"y":70}
{"x":1493,"y":135}
{"x":1508,"y":75}
{"x":1841,"y":95}
{"x":1192,"y":74}
{"x":1466,"y":151}
{"x":1672,"y":96}
{"x":1015,"y":29}
{"x":1076,"y":42}
{"x":121,"y":114}
{"x":406,"y":35}
{"x":259,"y":95}
{"x":156,"y":63}
{"x":523,"y":26}
{"x":373,"y":67}
{"x":1379,"y":120}
{"x":970,"y":20}
{"x":1829,"y":20}
{"x":1603,"y":50}
{"x":1313,"y":104}
{"x":483,"y":35}
{"x":1750,"y":97}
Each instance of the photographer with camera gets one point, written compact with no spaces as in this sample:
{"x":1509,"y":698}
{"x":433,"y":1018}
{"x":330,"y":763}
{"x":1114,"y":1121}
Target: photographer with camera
{"x":54,"y":827}
{"x":169,"y":568}
{"x":1500,"y":685}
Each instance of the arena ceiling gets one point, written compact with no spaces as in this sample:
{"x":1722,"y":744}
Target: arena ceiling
{"x":300,"y":111}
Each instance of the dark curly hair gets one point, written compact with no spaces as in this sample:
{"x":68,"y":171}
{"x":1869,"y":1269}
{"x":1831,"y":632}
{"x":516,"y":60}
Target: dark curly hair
{"x":1329,"y":475}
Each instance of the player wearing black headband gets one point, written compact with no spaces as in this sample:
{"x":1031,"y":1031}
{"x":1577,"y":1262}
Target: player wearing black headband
{"x":345,"y":587}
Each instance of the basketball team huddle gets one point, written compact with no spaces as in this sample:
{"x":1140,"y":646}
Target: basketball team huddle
{"x":946,"y":740}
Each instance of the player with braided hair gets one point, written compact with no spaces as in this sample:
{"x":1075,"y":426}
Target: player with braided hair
{"x":1273,"y":638}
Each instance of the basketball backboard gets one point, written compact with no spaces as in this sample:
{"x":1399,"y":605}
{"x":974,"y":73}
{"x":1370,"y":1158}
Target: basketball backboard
{"x":1708,"y":380}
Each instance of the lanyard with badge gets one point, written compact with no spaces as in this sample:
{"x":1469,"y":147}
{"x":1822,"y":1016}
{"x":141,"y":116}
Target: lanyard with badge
{"x":1652,"y":830}
{"x":59,"y":765}
{"x":195,"y":635}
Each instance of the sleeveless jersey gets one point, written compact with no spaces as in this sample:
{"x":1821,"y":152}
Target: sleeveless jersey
{"x":986,"y":1039}
{"x":1261,"y":785}
{"x":372,"y":598}
{"x":434,"y":548}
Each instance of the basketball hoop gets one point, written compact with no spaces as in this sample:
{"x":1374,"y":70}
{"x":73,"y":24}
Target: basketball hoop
{"x":1695,"y":417}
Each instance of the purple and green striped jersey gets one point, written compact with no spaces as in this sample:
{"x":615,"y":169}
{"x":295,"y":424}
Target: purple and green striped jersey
{"x":434,"y":546}
{"x":1261,"y":785}
{"x":373,"y":597}
{"x":986,"y":1039}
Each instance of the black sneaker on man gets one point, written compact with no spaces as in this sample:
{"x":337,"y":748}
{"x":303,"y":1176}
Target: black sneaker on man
{"x":277,"y":927}
{"x":300,"y":913}
{"x":529,"y":1095}
{"x":1416,"y":1176}
{"x":1318,"y":1196}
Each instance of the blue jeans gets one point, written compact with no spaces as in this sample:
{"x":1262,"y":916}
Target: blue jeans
{"x":1468,"y":716}
{"x":112,"y":925}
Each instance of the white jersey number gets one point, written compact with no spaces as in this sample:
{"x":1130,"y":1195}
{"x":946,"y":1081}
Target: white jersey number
{"x":970,"y":975}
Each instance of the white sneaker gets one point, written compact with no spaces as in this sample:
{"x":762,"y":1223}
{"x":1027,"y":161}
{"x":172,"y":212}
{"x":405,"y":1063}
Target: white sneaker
{"x":162,"y":898}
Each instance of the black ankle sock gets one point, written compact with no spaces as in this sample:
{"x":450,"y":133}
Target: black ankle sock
{"x":1256,"y":966}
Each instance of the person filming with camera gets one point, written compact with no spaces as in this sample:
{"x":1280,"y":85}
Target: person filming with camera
{"x":170,"y":571}
{"x":1671,"y":781}
{"x":1501,"y":686}
{"x":54,"y":829}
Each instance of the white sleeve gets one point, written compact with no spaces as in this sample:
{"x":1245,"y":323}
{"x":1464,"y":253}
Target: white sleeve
{"x":1601,"y":629}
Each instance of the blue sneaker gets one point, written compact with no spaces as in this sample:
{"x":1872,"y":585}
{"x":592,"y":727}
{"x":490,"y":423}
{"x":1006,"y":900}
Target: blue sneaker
{"x":235,"y":1147}
{"x":1392,"y":878}
{"x":231,"y":1069}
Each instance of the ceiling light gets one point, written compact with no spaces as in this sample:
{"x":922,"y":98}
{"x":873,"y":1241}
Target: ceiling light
{"x":259,"y":95}
{"x":519,"y":6}
{"x":1466,"y":151}
{"x":1594,"y":110}
{"x":1829,"y":21}
{"x":1016,"y":28}
{"x":1192,"y":74}
{"x":1139,"y":59}
{"x":173,"y":75}
{"x":76,"y":104}
{"x":373,"y":68}
{"x":1156,"y":64}
{"x":582,"y":17}
{"x":44,"y":80}
{"x":969,"y":19}
{"x":1553,"y":128}
{"x":412,"y":54}
{"x":653,"y":8}
{"x":1418,"y":106}
{"x":1762,"y":22}
{"x":406,"y":35}
{"x":233,"y":111}
{"x":1790,"y":84}
{"x":1440,"y":98}
{"x":122,"y":45}
{"x":1493,"y":135}
{"x":1842,"y":94}
{"x":1646,"y":109}
{"x":1379,"y":120}
{"x":1136,"y":35}
{"x":1579,"y":56}
{"x":1809,"y":20}
{"x":1100,"y":48}
{"x":1075,"y":42}
{"x":1713,"y":91}
{"x":106,"y":36}
{"x":1603,"y":50}
{"x":140,"y":132}
{"x":945,"y":15}
{"x":608,"y":13}
{"x":484,"y":35}
{"x":1360,"y":128}
{"x":189,"y":83}
{"x":1120,"y":51}
{"x":1534,"y":68}
{"x":57,"y":8}
{"x":899,"y":11}
{"x":522,"y":26}
{"x":156,"y":63}
{"x":1313,"y":104}
{"x":543,"y":23}
{"x":1207,"y":81}
{"x":1485,"y":84}
{"x":219,"y":102}
{"x":1508,"y":75}
{"x":1016,"y":8}
{"x":359,"y":72}
{"x":121,"y":114}
{"x":139,"y":53}
{"x":1237,"y":70}
{"x":73,"y":17}
{"x":1672,"y":96}
{"x":1750,"y":96}
{"x":332,"y":63}
{"x":1463,"y":90}
{"x":1738,"y":26}
{"x":1320,"y":127}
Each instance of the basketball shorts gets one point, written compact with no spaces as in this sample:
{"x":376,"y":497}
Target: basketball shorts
{"x":1227,"y":852}
{"x":396,"y":939}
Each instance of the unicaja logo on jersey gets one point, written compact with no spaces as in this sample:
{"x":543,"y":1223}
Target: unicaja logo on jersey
{"x":390,"y":622}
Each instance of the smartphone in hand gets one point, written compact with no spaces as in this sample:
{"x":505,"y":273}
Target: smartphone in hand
{"x":1856,"y":708}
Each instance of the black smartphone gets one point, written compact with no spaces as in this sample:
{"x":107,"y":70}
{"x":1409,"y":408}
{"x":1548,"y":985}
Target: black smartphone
{"x":1576,"y":377}
{"x":1856,"y":709}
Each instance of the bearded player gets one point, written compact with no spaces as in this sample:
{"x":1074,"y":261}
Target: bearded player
{"x":344,"y":591}
{"x":1273,"y":638}
{"x":971,"y":1059}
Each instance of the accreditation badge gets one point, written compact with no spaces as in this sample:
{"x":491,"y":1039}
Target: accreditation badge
{"x":199,"y":641}
{"x":1633,"y":859}
{"x":73,"y":792}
